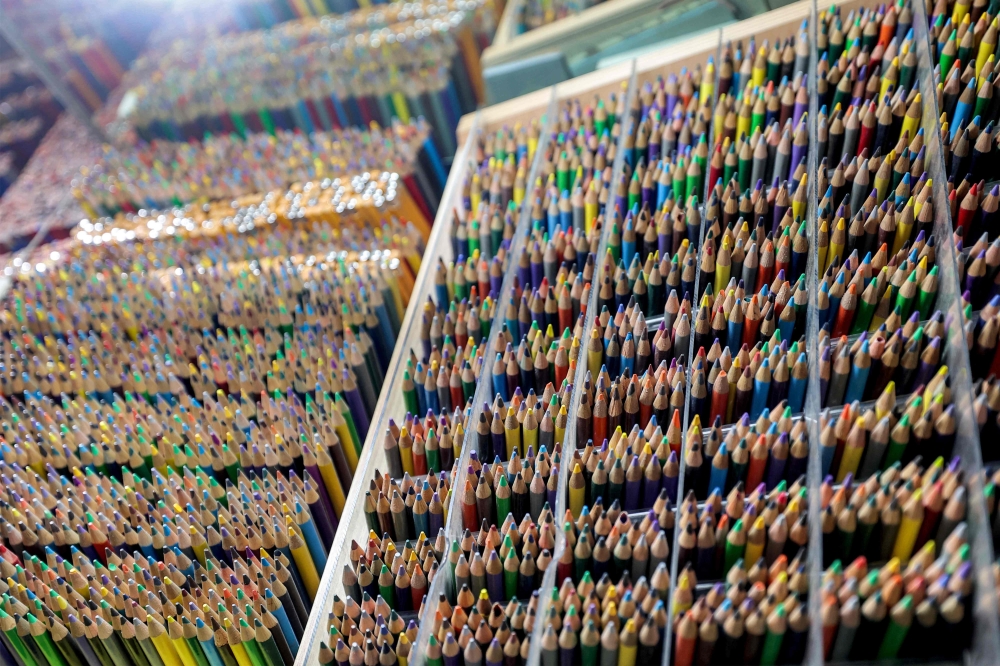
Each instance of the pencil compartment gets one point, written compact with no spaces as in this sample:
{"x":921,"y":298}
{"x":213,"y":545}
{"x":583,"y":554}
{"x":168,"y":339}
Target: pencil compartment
{"x":394,"y":505}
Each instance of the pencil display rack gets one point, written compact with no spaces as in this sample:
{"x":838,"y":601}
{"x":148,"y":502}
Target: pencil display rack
{"x":627,"y":79}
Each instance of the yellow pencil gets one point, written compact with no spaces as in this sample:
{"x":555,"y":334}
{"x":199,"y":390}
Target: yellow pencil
{"x":853,"y":449}
{"x":402,"y":655}
{"x":754,"y":549}
{"x":512,"y":433}
{"x":164,"y":647}
{"x":531,"y":430}
{"x":628,"y":644}
{"x":595,"y":353}
{"x":303,"y":559}
{"x":560,"y":424}
{"x":405,"y":452}
{"x":199,"y":547}
{"x":180,"y":645}
{"x":909,"y":527}
{"x":591,"y":205}
{"x":331,"y":481}
{"x":235,"y":644}
{"x":576,"y":491}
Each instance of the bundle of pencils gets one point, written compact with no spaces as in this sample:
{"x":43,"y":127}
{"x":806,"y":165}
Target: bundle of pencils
{"x":656,"y":200}
{"x":387,"y":580}
{"x":360,"y":204}
{"x":636,"y":472}
{"x":666,"y":152}
{"x":742,"y":533}
{"x":370,"y":622}
{"x":424,"y":447}
{"x":516,"y":423}
{"x":628,"y":362}
{"x":771,"y":450}
{"x":758,"y":87}
{"x":902,"y":514}
{"x":624,"y":301}
{"x":922,"y":611}
{"x":459,"y":316}
{"x":453,"y":336}
{"x":542,"y":309}
{"x":601,"y":542}
{"x":410,"y":508}
{"x":863,"y":368}
{"x":575,"y":161}
{"x":860,"y":440}
{"x":767,"y":375}
{"x":759,"y":258}
{"x":386,"y":576}
{"x":249,"y":358}
{"x":757,"y":171}
{"x":133,"y":590}
{"x":877,"y":203}
{"x":478,"y":628}
{"x":516,"y":490}
{"x":882,"y":226}
{"x":880,"y":290}
{"x":512,"y":472}
{"x":574,"y":189}
{"x":731,"y":317}
{"x":754,"y":616}
{"x":604,"y":622}
{"x":963,"y":48}
{"x":876,"y":251}
{"x":508,"y":562}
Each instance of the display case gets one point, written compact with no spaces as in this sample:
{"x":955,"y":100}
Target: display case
{"x":542,"y":105}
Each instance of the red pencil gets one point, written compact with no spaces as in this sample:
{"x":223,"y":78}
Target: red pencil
{"x":845,"y":313}
{"x":720,"y":397}
{"x":968,"y":207}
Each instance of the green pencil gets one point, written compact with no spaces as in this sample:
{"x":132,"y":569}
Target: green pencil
{"x":250,"y":643}
{"x":40,"y":633}
{"x":777,"y":625}
{"x":900,"y":619}
{"x":267,"y":645}
{"x":9,"y":628}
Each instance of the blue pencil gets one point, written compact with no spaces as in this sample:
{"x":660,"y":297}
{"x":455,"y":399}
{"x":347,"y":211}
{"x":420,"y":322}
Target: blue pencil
{"x":208,"y":646}
{"x":313,"y":542}
{"x":500,"y":381}
{"x":963,"y":109}
{"x":717,"y":479}
{"x":286,"y":626}
{"x":786,"y":328}
{"x":761,"y":386}
{"x":628,"y":246}
{"x":797,"y":389}
{"x":859,"y":375}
